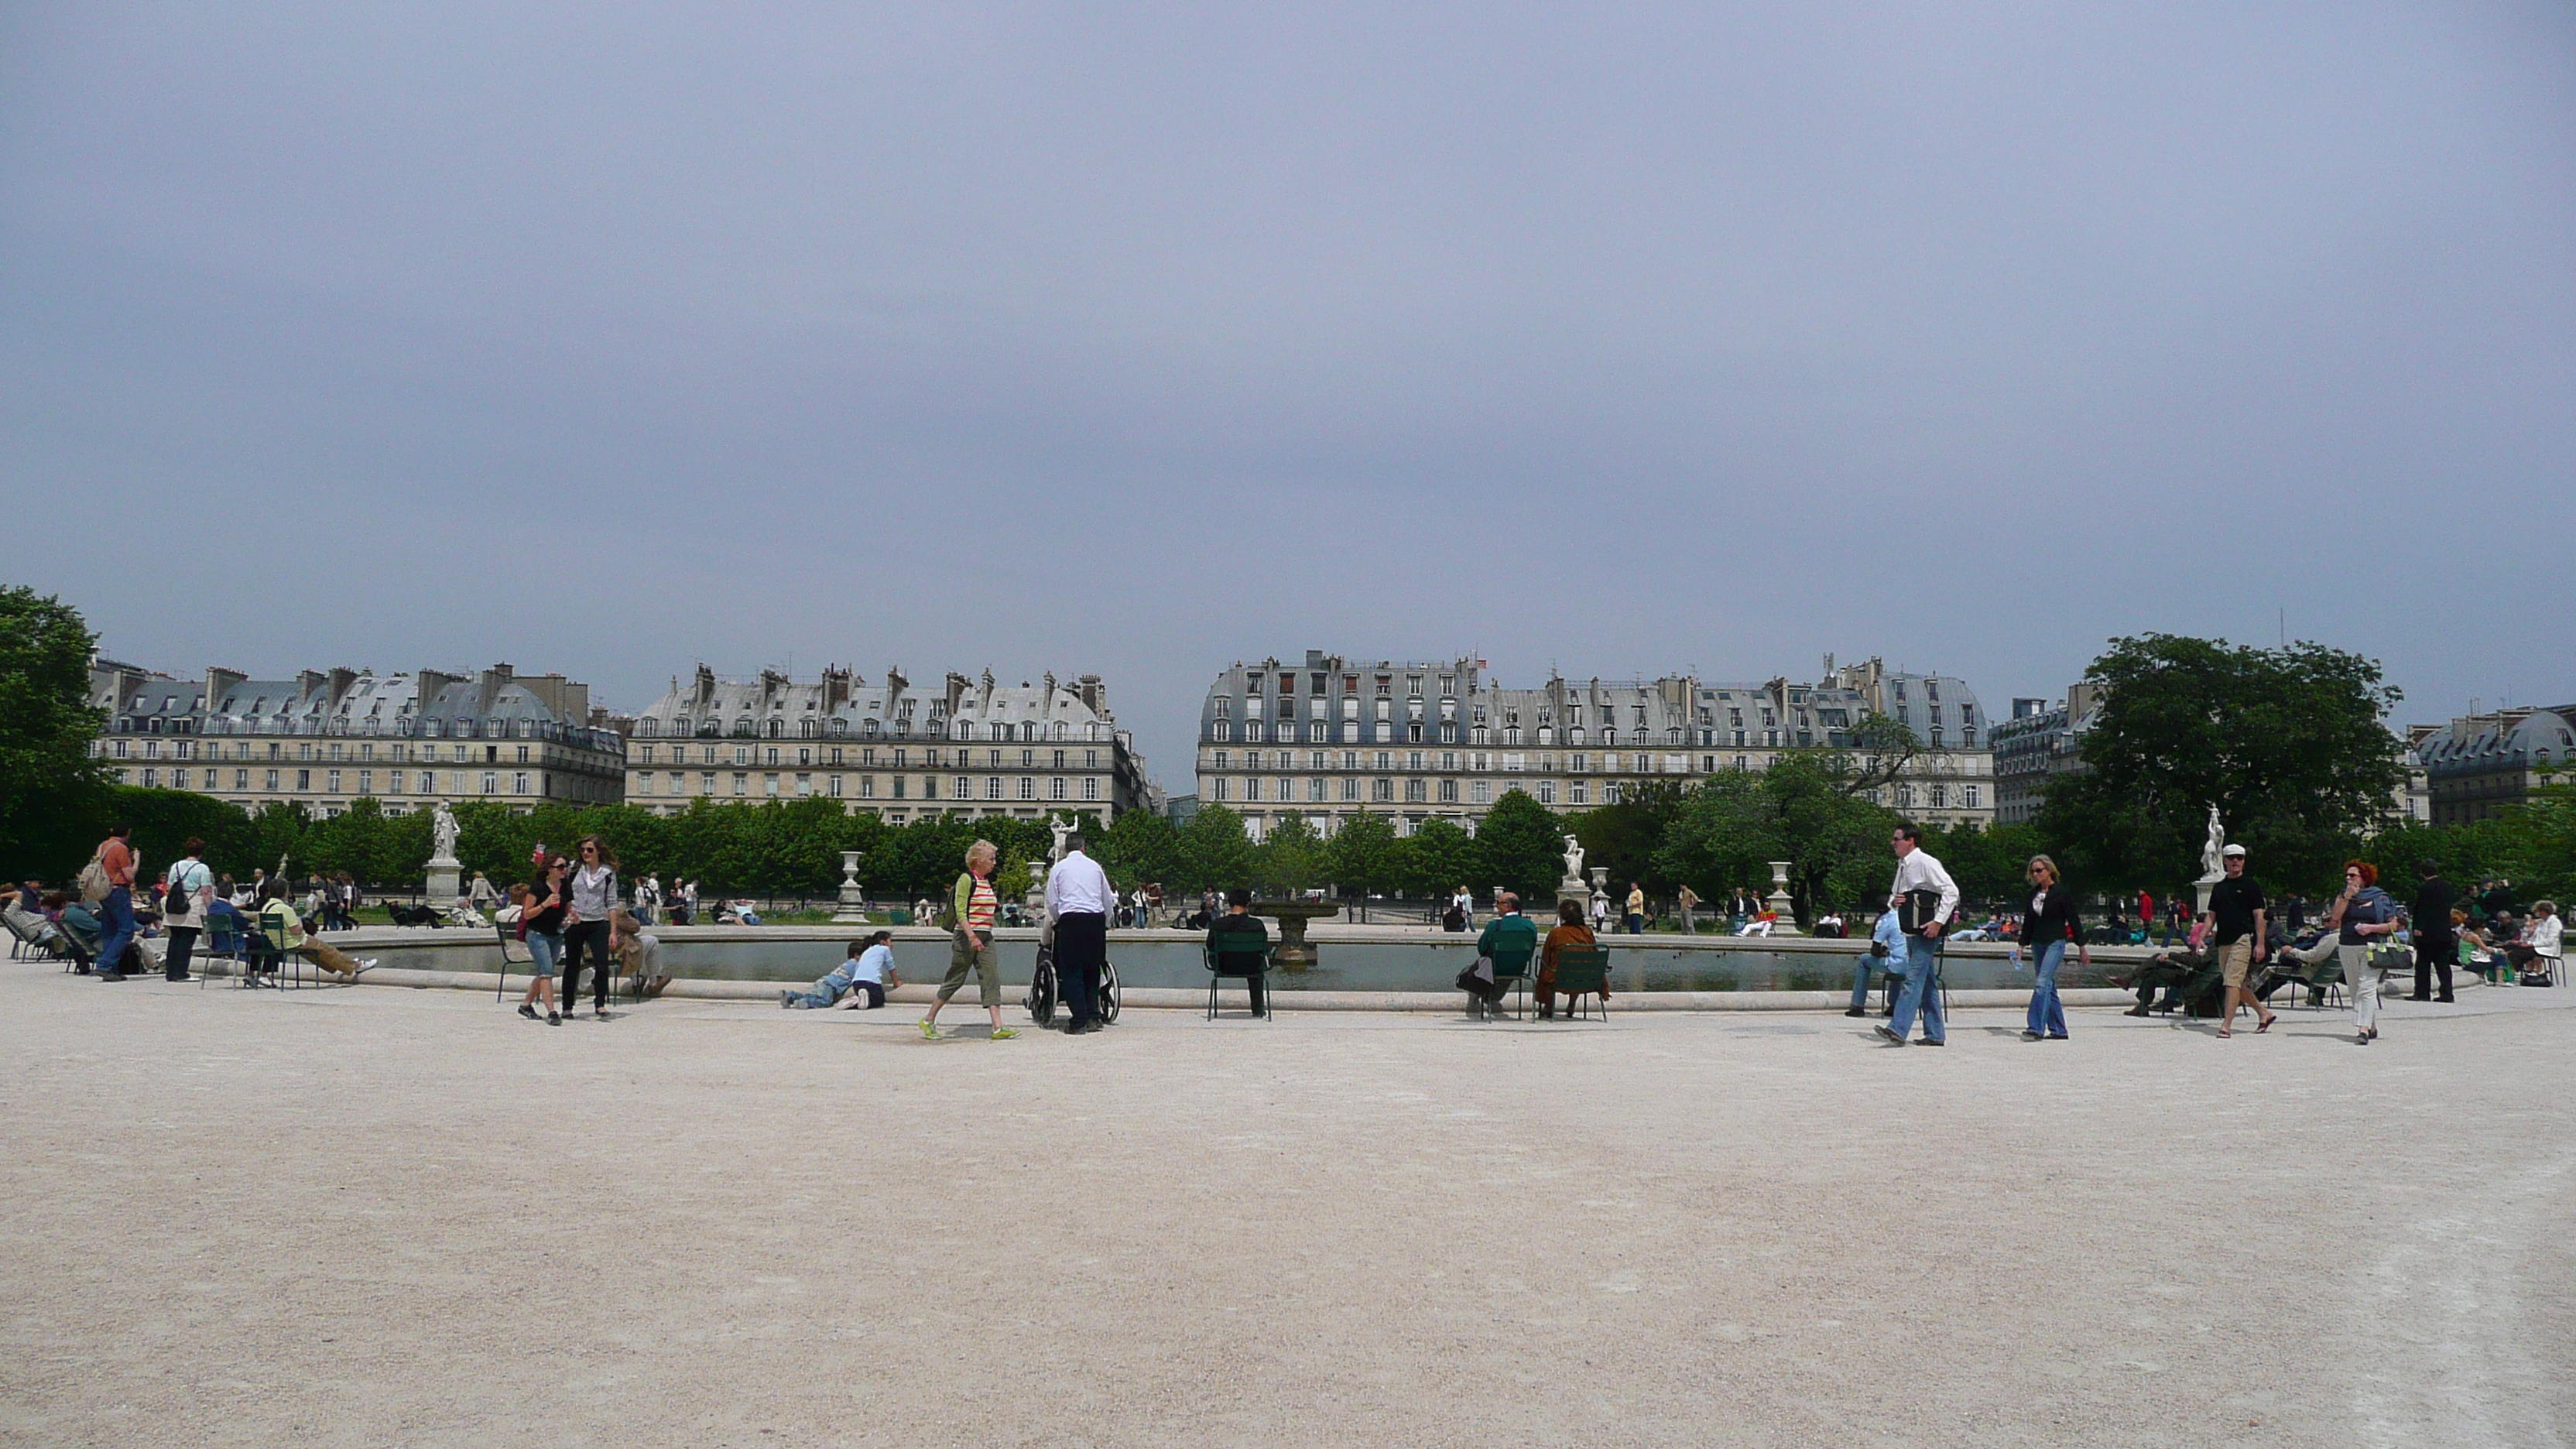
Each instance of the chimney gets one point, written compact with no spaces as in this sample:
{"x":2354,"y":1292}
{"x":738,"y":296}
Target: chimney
{"x":772,"y":684}
{"x":836,"y":688}
{"x":219,"y":682}
{"x":1095,"y":695}
{"x":494,"y":680}
{"x":341,"y":679}
{"x":957,"y":684}
{"x":309,"y":683}
{"x":705,"y":687}
{"x":428,"y":685}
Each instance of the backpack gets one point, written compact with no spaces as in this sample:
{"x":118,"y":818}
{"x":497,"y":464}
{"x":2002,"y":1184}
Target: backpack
{"x":93,"y":881}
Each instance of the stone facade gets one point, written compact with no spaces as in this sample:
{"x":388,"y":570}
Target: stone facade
{"x":326,"y":738}
{"x":2040,"y":744}
{"x":970,"y":747}
{"x":1331,"y":737}
{"x":2479,"y":763}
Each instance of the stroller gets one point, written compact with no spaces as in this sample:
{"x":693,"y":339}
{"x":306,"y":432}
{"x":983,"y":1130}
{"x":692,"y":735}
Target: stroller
{"x":1042,"y":997}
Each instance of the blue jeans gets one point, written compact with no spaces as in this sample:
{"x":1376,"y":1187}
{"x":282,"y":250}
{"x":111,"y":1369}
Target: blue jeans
{"x":1922,"y":989}
{"x":2047,"y":1013}
{"x":1860,"y":976}
{"x":118,"y":911}
{"x":831,"y":989}
{"x":546,"y":948}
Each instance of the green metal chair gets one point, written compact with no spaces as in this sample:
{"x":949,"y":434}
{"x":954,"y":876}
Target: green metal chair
{"x":1512,"y":972}
{"x":1250,"y":967}
{"x":1584,"y":973}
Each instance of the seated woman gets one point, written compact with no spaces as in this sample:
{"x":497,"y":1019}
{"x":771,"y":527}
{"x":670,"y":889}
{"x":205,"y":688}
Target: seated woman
{"x":2538,"y":957}
{"x":279,"y":921}
{"x":1570,"y":933}
{"x":73,"y":929}
{"x":638,"y":950}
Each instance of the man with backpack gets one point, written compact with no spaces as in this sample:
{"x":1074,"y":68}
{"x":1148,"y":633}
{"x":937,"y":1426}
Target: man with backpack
{"x":109,"y":882}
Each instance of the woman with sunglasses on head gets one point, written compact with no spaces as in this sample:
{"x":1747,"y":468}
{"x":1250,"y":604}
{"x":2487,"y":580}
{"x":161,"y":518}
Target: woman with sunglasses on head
{"x":2052,"y":924}
{"x":2363,"y":915}
{"x":593,"y":894}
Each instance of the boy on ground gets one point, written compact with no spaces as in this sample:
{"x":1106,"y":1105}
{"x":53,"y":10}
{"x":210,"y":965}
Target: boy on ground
{"x":864,"y":976}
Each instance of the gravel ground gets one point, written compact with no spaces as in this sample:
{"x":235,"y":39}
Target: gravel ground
{"x":375,"y":1216}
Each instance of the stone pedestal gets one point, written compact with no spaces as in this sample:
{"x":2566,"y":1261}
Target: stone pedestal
{"x":853,"y":908}
{"x":2204,"y":884}
{"x":1036,"y":898}
{"x":1570,"y":889}
{"x":1293,"y":953}
{"x":1779,"y":904}
{"x":445,"y":880}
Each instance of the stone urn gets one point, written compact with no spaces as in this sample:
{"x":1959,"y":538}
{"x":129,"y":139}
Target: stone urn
{"x":1780,"y":904}
{"x":1293,"y":953}
{"x":853,"y":906}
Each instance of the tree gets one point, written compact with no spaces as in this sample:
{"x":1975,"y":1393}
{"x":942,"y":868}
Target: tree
{"x":1435,"y":860}
{"x":1362,"y":857}
{"x":1522,"y":847}
{"x":1216,"y":849}
{"x":1289,"y":859}
{"x":1626,"y":836}
{"x":2287,"y":743}
{"x":49,"y":787}
{"x":1143,"y":846}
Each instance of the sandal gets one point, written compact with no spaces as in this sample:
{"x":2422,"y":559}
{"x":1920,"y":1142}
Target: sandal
{"x":2265,"y":1024}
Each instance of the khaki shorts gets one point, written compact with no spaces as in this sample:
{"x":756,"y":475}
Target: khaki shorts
{"x":2235,"y":959}
{"x":979,"y":958}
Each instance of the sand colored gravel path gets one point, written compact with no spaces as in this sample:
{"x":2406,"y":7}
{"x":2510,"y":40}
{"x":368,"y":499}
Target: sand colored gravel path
{"x":376,"y":1216}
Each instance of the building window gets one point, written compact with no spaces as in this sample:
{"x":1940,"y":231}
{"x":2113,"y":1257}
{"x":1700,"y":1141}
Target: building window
{"x":1547,"y":792}
{"x":366,"y":782}
{"x":303,"y":779}
{"x":519,"y":783}
{"x":1056,"y":787}
{"x":332,"y":779}
{"x":1968,"y":796}
{"x":741,"y":783}
{"x":1448,"y":792}
{"x":1481,"y":792}
{"x":1287,"y":791}
{"x":1091,"y":787}
{"x":1578,"y":793}
{"x":241,"y":780}
{"x":491,"y":782}
{"x":1351,"y":790}
{"x":1220,"y":783}
{"x":1382,"y":789}
{"x":1316,"y":790}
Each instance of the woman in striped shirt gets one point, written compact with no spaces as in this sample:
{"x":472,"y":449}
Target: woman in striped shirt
{"x":973,"y":904}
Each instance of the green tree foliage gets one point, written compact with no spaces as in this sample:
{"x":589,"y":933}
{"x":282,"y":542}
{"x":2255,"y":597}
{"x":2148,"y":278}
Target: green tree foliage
{"x":51,"y":792}
{"x":1362,"y":857}
{"x":1216,"y":851}
{"x":2287,"y":743}
{"x":1989,"y":865}
{"x":1803,"y":810}
{"x":1435,"y":860}
{"x":1628,"y":836}
{"x":1144,"y":847}
{"x":1290,"y":858}
{"x":1522,"y":846}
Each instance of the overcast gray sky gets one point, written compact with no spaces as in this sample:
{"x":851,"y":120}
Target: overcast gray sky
{"x":1140,"y":340}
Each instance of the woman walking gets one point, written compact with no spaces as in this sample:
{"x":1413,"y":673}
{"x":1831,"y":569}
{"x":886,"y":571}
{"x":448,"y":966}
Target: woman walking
{"x":2361,"y":915}
{"x":593,"y":898}
{"x":541,"y":918}
{"x":2052,"y":924}
{"x":970,"y":948}
{"x":183,"y":911}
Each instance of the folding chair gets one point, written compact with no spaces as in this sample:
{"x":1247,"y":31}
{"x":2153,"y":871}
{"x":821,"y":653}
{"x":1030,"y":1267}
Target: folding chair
{"x":1584,"y":973}
{"x":1253,"y":968}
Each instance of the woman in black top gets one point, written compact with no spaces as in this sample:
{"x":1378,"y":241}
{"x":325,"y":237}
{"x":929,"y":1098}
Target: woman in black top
{"x":541,"y":918}
{"x":2052,"y":924}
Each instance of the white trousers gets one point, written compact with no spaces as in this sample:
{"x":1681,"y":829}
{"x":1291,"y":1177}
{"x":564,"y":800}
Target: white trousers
{"x":2364,"y":981}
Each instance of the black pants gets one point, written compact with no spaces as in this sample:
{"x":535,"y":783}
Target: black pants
{"x":593,"y":934}
{"x":183,"y":940}
{"x":1081,"y":948}
{"x":2431,"y":957}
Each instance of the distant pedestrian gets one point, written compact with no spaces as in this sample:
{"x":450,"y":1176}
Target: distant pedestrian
{"x":1601,"y":913}
{"x":1689,"y":900}
{"x":2236,"y":936}
{"x":971,"y":943}
{"x":541,"y":916}
{"x":2436,"y":949}
{"x":2362,"y":916}
{"x":1636,"y":918}
{"x":2051,"y":925}
{"x":114,"y":863}
{"x":183,"y":910}
{"x":1078,"y":901}
{"x":1923,"y":895}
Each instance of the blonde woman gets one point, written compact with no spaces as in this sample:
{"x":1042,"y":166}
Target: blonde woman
{"x":2052,"y":923}
{"x":970,"y":947}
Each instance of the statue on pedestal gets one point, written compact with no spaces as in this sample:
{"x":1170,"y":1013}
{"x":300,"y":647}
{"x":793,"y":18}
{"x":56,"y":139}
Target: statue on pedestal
{"x":2213,"y":852}
{"x":442,"y":834}
{"x":1573,"y":859}
{"x":1059,"y":828}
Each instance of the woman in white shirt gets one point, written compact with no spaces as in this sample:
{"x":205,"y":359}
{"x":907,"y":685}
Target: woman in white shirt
{"x":2542,"y":952}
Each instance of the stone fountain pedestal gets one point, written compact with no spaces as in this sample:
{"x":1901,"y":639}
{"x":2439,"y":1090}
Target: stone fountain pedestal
{"x":1780,"y":905}
{"x":446,"y":880}
{"x":1293,"y":953}
{"x":853,"y":909}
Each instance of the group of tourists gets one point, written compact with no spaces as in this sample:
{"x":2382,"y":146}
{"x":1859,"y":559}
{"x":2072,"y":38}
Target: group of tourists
{"x":111,"y":930}
{"x":572,"y":919}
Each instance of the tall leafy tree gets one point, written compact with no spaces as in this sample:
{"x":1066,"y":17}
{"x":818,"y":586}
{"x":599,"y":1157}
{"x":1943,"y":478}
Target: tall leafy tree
{"x":2288,"y":743}
{"x":1363,"y":857}
{"x":49,"y":787}
{"x":1217,"y":849}
{"x":1627,"y":836}
{"x":1435,"y":860}
{"x":1522,"y":846}
{"x":1290,"y":858}
{"x":1144,"y":846}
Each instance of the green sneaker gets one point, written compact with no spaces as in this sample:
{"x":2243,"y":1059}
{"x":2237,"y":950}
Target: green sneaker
{"x":1003,"y":1033}
{"x":929,"y":1031}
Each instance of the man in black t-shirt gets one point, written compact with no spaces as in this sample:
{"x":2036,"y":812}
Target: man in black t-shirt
{"x":2236,"y":936}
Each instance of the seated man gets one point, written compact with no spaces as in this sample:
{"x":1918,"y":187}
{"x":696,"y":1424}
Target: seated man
{"x":866,"y":974}
{"x":73,"y":929}
{"x":639,"y":951}
{"x":1886,"y":953}
{"x":1242,"y":945}
{"x":2189,"y":979}
{"x":278,"y":921}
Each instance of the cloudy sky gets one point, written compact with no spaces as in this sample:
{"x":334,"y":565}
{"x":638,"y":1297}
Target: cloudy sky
{"x":1621,"y":339}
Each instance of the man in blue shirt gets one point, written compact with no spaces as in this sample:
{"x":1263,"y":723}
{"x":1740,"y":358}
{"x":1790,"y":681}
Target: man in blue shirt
{"x":868,"y":972}
{"x":1886,"y":953}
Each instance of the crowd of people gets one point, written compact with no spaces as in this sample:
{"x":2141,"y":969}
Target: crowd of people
{"x":111,"y":929}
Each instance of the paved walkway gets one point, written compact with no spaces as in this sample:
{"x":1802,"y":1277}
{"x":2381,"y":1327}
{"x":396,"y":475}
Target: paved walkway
{"x":373,"y":1216}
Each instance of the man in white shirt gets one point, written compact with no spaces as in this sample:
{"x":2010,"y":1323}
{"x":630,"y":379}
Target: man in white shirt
{"x":1923,"y":896}
{"x":1078,"y":902}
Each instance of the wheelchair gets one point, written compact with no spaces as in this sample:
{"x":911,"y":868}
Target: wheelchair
{"x":1043,"y":996}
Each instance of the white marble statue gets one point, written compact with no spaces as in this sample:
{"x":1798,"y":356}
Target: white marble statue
{"x":1573,"y":858}
{"x":1059,"y":828}
{"x":442,"y":832}
{"x":2213,"y":853}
